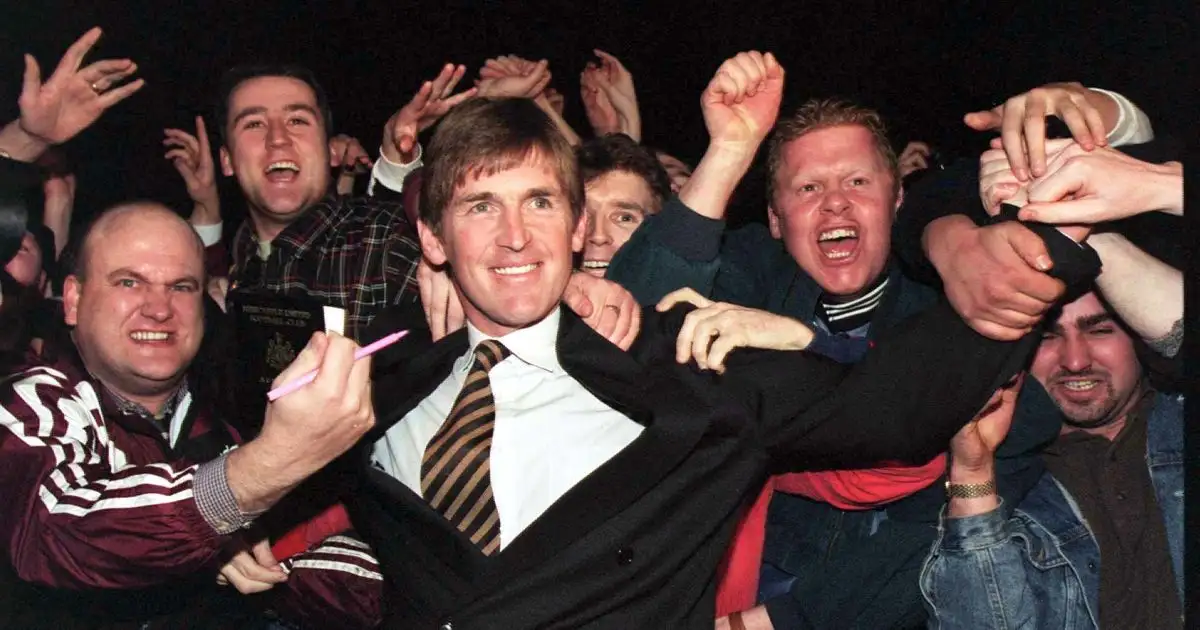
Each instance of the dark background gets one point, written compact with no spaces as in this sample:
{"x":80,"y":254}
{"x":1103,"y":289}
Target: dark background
{"x":922,"y":65}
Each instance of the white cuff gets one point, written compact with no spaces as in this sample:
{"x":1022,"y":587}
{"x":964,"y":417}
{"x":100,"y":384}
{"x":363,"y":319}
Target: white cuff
{"x":390,"y":174}
{"x":210,"y":234}
{"x":1133,"y":126}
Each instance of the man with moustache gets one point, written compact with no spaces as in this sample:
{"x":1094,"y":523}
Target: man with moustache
{"x":1098,"y":542}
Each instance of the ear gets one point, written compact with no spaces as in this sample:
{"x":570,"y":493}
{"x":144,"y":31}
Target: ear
{"x":71,"y":290}
{"x":226,"y":163}
{"x":431,"y":244}
{"x":774,"y":223}
{"x":579,"y":236}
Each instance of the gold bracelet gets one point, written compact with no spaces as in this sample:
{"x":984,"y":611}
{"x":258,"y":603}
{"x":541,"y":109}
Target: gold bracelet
{"x":970,"y":490}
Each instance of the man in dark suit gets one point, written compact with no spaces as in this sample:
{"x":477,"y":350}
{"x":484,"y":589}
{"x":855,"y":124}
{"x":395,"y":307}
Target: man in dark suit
{"x":526,"y":473}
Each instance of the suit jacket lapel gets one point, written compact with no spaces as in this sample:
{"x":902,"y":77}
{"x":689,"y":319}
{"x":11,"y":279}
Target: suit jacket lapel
{"x":402,"y":378}
{"x":634,"y":389}
{"x":408,"y":372}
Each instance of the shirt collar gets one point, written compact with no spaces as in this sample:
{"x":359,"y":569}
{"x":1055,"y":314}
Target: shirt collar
{"x":129,"y":407}
{"x":535,"y":345}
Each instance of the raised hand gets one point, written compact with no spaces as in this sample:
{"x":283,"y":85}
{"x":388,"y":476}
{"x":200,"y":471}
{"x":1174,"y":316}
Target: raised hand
{"x":915,"y":157}
{"x":973,"y":449}
{"x":1104,"y":185}
{"x":514,"y":77}
{"x":510,"y":76}
{"x":1022,"y":122}
{"x":192,"y":158}
{"x":556,"y":100}
{"x":350,"y":159}
{"x":72,"y":98}
{"x":601,"y":114}
{"x":428,"y":105}
{"x":617,"y":83}
{"x":741,"y":102}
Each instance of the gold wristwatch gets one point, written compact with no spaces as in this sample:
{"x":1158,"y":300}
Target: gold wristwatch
{"x":970,"y":490}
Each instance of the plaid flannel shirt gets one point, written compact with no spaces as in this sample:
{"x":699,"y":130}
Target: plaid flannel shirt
{"x":359,"y":254}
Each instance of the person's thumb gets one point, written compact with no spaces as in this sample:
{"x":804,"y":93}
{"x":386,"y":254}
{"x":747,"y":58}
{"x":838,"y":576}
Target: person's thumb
{"x":1030,"y":248}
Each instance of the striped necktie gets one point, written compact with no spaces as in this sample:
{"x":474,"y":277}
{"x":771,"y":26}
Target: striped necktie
{"x":455,"y":471}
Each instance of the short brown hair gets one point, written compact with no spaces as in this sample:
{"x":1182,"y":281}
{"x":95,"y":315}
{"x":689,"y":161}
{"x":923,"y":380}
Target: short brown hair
{"x":619,"y":152}
{"x":486,"y":136}
{"x":821,"y":114}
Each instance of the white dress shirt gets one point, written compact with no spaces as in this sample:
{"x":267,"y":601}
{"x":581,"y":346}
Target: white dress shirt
{"x":1132,"y":127}
{"x":391,"y":174}
{"x":549,"y":434}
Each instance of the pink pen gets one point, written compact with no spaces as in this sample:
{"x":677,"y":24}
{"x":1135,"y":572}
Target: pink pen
{"x":366,"y":351}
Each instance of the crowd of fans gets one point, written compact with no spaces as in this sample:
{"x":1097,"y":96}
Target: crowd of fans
{"x":944,"y":401}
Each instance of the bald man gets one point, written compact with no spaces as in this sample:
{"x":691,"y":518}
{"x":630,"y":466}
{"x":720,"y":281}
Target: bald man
{"x":120,"y":490}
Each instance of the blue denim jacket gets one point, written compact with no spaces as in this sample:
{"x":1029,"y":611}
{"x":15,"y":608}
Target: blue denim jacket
{"x":1040,"y":567}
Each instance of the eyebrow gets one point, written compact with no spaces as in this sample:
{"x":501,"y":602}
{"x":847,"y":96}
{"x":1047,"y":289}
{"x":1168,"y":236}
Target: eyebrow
{"x":628,"y":205}
{"x":124,"y":272}
{"x":258,"y":109}
{"x":486,"y":195}
{"x":1088,"y":321}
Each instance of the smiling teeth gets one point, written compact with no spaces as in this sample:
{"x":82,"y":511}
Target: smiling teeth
{"x":595,"y":264}
{"x":1080,"y":386}
{"x":513,"y":271}
{"x":283,"y":166}
{"x":837,"y":233}
{"x":149,"y":336}
{"x":836,"y":255}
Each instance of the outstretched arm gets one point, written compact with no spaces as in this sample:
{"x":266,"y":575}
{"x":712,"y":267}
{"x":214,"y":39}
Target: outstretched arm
{"x":1146,"y":292}
{"x":400,"y":153}
{"x":73,"y":98}
{"x":740,"y":106}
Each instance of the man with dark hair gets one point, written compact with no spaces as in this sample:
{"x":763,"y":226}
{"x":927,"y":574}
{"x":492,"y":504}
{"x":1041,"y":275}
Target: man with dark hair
{"x":623,"y":184}
{"x":1098,"y":543}
{"x":359,"y":254}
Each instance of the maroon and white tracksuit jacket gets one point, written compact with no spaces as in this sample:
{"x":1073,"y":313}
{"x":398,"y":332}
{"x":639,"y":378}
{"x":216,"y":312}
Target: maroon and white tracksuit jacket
{"x":98,"y":499}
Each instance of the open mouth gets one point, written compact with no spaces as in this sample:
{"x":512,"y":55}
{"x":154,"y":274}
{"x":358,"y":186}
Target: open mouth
{"x":282,"y":171}
{"x":516,"y":270}
{"x":838,"y":243}
{"x":595,"y":265}
{"x":1080,"y":385}
{"x":150,"y":336}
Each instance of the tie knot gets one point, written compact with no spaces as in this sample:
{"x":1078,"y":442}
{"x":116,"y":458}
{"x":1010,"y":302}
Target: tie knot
{"x":490,"y":352}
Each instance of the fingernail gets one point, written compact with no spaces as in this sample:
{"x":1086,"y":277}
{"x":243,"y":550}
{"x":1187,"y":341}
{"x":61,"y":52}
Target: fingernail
{"x":1043,"y":262}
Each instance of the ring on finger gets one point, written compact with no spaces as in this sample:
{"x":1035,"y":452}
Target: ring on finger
{"x":97,"y":88}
